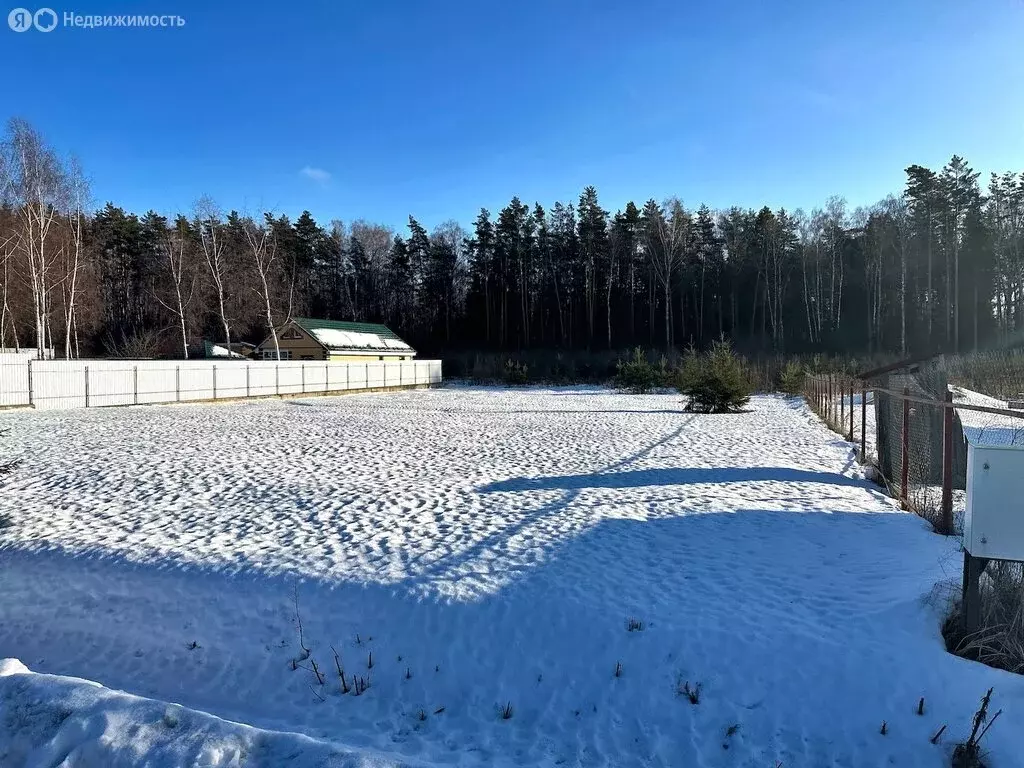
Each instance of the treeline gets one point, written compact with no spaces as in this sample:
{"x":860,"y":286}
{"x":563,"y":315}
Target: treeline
{"x":938,"y":267}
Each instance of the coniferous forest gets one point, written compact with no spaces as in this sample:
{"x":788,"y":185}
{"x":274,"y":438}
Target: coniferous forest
{"x":936,"y":266}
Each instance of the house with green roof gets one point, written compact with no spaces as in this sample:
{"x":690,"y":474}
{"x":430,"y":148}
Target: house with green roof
{"x":305,"y":338}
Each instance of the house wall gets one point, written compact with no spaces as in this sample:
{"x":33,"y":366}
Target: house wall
{"x":303,"y":348}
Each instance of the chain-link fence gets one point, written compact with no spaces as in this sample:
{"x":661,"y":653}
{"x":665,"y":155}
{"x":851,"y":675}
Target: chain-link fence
{"x":846,"y":405}
{"x":913,"y":425}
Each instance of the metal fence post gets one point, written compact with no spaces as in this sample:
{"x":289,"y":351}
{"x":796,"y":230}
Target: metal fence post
{"x":367,"y":376}
{"x":864,"y":422}
{"x":851,"y":410}
{"x":303,"y":367}
{"x":30,"y":401}
{"x":399,"y":373}
{"x":905,"y":441}
{"x":214,"y":382}
{"x":87,"y":386}
{"x":833,"y":396}
{"x":947,"y":464}
{"x":828,"y":400}
{"x":277,"y":379}
{"x":135,"y":383}
{"x":841,"y":391}
{"x":327,"y":377}
{"x":837,"y":402}
{"x":247,"y":369}
{"x":177,"y":383}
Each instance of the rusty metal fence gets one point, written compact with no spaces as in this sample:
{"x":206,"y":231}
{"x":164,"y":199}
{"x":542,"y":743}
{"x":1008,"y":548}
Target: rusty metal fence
{"x":912,"y":428}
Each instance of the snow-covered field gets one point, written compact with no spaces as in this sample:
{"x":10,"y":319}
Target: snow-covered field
{"x":488,"y":547}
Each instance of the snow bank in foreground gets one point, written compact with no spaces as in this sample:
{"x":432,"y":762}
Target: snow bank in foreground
{"x":47,"y":720}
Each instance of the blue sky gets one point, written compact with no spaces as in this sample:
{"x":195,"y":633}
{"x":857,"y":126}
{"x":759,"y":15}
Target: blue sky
{"x":438,"y":108}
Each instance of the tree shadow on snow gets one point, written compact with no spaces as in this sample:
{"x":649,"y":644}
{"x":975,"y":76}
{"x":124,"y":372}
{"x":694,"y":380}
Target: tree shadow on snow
{"x":674,"y":476}
{"x":719,"y":594}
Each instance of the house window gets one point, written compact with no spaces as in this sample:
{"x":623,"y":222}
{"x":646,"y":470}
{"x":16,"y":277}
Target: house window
{"x":291,"y":333}
{"x":268,"y":354}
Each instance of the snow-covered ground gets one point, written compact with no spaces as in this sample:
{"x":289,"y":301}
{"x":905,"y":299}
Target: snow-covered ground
{"x":487,"y":547}
{"x":983,"y":428}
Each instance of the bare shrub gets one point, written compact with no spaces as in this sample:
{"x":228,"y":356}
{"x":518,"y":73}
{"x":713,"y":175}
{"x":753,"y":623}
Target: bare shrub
{"x":1000,"y":641}
{"x":692,"y":693}
{"x":140,"y":345}
{"x":360,"y":684}
{"x":968,"y":754}
{"x":303,"y":650}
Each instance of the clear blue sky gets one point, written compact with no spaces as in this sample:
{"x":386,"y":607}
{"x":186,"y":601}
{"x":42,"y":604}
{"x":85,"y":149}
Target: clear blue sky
{"x":438,"y":108}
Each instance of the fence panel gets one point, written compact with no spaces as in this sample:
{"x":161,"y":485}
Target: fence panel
{"x":156,"y":384}
{"x":289,"y":379}
{"x":14,"y":379}
{"x":338,"y":378}
{"x":407,"y":373}
{"x":315,"y":377}
{"x":231,"y":380}
{"x":375,"y":375}
{"x":262,"y":380}
{"x":58,"y":385}
{"x":110,"y":385}
{"x":195,"y":383}
{"x":357,"y":373}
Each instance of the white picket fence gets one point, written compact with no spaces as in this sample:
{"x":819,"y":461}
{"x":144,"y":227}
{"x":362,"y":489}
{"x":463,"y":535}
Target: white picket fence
{"x":92,"y":383}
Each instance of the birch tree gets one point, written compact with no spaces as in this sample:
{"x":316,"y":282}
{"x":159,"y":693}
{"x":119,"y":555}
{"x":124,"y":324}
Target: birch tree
{"x":38,"y":187}
{"x":78,"y":198}
{"x":213,"y":244}
{"x":665,"y":238}
{"x":175,"y":247}
{"x":263,"y":249}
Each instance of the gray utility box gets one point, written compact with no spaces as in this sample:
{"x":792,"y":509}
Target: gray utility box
{"x":994,"y":518}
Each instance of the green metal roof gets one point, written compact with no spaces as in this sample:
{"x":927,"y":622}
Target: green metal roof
{"x":308,"y":324}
